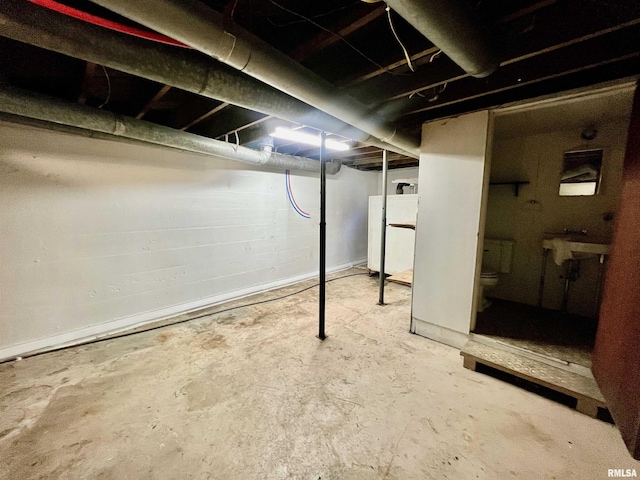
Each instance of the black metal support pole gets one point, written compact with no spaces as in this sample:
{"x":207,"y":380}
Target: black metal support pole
{"x":323,"y":233}
{"x":383,"y":227}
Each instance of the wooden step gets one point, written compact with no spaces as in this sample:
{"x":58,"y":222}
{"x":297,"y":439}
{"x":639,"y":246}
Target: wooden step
{"x":583,"y":389}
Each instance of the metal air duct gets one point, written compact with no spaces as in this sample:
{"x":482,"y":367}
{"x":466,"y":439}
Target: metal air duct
{"x":200,"y":27}
{"x":450,"y":26}
{"x":27,"y":104}
{"x":180,"y":68}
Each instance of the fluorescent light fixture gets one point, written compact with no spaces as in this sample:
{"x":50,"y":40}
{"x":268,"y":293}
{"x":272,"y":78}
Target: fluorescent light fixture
{"x":308,"y":139}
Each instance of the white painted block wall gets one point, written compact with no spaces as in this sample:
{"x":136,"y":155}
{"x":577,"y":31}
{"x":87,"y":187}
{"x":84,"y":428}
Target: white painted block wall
{"x":98,"y":235}
{"x":453,"y":170}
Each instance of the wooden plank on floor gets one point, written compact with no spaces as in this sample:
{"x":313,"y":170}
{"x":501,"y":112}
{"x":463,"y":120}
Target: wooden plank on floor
{"x":583,"y":389}
{"x":404,"y":278}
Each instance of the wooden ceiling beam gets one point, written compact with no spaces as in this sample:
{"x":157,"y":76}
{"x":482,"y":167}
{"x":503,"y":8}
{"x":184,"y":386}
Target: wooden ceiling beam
{"x":419,"y":58}
{"x":526,"y":11}
{"x":466,"y":98}
{"x":618,"y":47}
{"x":89,"y":73}
{"x":378,"y":159}
{"x":153,"y":101}
{"x":542,"y":43}
{"x":244,"y":127}
{"x":347,"y":155}
{"x":378,"y":167}
{"x":622,"y":70}
{"x":204,"y":116}
{"x":348,"y":25}
{"x":416,"y":59}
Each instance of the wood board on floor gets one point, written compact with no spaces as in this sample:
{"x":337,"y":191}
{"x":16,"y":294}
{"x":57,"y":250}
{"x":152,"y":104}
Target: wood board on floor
{"x":404,"y":278}
{"x":585,"y":390}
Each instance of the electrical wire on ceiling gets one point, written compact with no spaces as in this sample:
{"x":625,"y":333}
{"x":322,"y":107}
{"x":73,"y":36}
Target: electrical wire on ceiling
{"x":352,"y":46}
{"x":106,"y":74}
{"x":437,"y":92}
{"x":306,"y":19}
{"x":393,"y":30}
{"x":292,"y":200}
{"x":233,"y":9}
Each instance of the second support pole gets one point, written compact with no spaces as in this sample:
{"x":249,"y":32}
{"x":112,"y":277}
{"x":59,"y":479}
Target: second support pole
{"x":383,"y":227}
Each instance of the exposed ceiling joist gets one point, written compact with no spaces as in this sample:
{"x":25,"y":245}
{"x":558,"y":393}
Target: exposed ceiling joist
{"x":583,"y":56}
{"x":549,"y":46}
{"x":153,"y":101}
{"x":89,"y":73}
{"x":445,"y":71}
{"x":348,"y":25}
{"x":204,"y":116}
{"x":419,"y":59}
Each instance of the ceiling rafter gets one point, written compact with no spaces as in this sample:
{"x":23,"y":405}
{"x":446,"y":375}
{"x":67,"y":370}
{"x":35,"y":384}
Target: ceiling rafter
{"x":205,"y":116}
{"x":526,"y":11}
{"x":153,"y":101}
{"x":89,"y":73}
{"x":326,"y":38}
{"x":629,"y":56}
{"x":429,"y":79}
{"x":620,"y":46}
{"x":419,"y":58}
{"x":615,"y":72}
{"x":549,"y":46}
{"x":244,"y":127}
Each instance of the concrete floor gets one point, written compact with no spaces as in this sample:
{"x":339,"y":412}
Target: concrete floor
{"x":253,"y":394}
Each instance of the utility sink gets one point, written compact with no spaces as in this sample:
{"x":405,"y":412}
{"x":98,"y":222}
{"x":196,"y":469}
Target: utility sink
{"x":579,"y":246}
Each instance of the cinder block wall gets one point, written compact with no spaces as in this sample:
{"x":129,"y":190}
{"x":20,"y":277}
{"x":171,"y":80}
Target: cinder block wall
{"x":99,"y":235}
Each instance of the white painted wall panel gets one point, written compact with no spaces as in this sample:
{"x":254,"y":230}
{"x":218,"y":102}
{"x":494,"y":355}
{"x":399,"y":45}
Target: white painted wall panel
{"x":98,"y":235}
{"x":452,"y":172}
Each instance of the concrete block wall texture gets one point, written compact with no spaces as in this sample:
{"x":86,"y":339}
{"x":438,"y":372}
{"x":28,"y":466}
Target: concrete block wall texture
{"x":100,"y":235}
{"x":538,"y":159}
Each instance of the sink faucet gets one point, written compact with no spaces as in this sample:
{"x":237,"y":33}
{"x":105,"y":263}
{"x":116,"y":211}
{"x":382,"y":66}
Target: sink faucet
{"x":582,"y":232}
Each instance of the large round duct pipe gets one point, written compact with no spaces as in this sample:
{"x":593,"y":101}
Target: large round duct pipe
{"x":450,"y":26}
{"x":30,"y":105}
{"x":202,"y":28}
{"x":187,"y":70}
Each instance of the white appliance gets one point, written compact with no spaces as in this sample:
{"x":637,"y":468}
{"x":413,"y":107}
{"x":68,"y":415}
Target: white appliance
{"x":400,"y":241}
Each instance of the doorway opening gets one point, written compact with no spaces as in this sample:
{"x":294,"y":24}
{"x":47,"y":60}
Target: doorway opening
{"x":545,"y":250}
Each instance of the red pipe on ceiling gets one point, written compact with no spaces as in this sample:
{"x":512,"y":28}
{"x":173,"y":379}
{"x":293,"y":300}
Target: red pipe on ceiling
{"x":102,"y":22}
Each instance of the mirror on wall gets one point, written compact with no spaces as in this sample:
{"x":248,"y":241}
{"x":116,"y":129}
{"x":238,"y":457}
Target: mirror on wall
{"x":581,"y":173}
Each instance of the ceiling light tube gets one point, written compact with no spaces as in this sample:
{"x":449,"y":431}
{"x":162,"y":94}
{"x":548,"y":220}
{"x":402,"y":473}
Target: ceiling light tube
{"x":308,"y":139}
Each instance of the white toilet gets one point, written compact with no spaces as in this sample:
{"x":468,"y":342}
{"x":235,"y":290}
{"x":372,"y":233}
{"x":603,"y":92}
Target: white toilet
{"x":496,"y":259}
